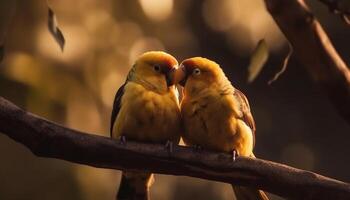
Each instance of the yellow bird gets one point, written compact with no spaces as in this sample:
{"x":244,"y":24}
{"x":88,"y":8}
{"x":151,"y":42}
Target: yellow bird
{"x":146,"y":108}
{"x":216,"y":115}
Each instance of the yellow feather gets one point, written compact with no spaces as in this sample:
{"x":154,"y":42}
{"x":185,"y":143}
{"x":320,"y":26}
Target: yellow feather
{"x":214,"y":117}
{"x":148,"y":116}
{"x":212,"y":122}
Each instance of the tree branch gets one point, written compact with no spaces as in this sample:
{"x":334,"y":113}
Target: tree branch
{"x":337,"y":6}
{"x":47,"y":139}
{"x":314,"y":50}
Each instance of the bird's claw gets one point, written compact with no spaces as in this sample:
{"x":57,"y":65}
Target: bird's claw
{"x":235,"y":154}
{"x":169,"y":145}
{"x":122,"y":140}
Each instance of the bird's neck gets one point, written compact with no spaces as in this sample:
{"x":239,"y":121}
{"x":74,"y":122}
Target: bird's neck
{"x":157,"y":88}
{"x":215,"y":90}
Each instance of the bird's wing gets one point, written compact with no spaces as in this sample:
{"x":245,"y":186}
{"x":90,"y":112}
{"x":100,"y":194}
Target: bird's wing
{"x":247,"y":116}
{"x":118,"y":98}
{"x":117,"y":105}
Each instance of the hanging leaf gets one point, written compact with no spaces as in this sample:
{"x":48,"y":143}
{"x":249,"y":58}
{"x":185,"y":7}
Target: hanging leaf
{"x":258,"y":60}
{"x":54,"y":30}
{"x":284,"y":65}
{"x":346,"y":18}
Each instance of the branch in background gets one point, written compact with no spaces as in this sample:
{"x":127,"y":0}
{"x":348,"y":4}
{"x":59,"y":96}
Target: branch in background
{"x":313,"y":49}
{"x":339,"y":7}
{"x":46,"y":139}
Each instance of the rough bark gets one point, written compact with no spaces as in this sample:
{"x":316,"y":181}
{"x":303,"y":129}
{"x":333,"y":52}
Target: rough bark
{"x":47,"y":139}
{"x":314,"y":50}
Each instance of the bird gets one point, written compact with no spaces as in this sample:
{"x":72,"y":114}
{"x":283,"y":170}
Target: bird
{"x":216,"y":116}
{"x":146,"y":109}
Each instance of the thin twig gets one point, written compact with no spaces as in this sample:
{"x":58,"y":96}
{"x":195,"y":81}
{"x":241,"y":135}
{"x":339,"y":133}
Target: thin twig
{"x":284,"y":65}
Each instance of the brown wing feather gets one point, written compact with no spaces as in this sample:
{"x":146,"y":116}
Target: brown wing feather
{"x":116,"y":105}
{"x":118,"y":98}
{"x":247,"y":116}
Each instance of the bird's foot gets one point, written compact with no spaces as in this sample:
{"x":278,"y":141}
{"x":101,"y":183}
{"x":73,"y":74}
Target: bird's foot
{"x":169,"y":146}
{"x":122,"y":140}
{"x":235,"y":154}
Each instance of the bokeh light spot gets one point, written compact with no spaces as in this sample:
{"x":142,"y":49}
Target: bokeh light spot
{"x":143,"y":45}
{"x":244,"y":22}
{"x":82,"y":113}
{"x":77,"y":43}
{"x":219,"y":16}
{"x":109,"y":87}
{"x":157,"y":10}
{"x":23,"y":68}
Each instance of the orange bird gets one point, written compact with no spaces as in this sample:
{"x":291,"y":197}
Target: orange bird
{"x":146,"y":108}
{"x":216,"y":116}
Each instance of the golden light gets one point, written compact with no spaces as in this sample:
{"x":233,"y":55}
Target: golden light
{"x":241,"y":40}
{"x":157,"y":10}
{"x":76,"y":47}
{"x":245,"y":23}
{"x":220,"y":16}
{"x":131,"y":33}
{"x":143,"y":45}
{"x":109,"y":86}
{"x":23,"y":68}
{"x":82,"y":112}
{"x":96,"y":19}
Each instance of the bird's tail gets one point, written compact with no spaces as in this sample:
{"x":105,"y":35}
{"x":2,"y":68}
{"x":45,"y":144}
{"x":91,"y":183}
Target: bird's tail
{"x":135,"y":186}
{"x":247,"y":193}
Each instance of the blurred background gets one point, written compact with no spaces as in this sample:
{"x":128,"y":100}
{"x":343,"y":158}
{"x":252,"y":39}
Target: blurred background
{"x":296,"y":124}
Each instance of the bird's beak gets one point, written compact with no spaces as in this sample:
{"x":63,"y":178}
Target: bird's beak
{"x":181,"y":75}
{"x":170,"y":77}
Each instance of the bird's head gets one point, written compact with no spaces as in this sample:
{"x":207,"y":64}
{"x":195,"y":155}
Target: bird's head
{"x":155,"y":69}
{"x":196,"y":74}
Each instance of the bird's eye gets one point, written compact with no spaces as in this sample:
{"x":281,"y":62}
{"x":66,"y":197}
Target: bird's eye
{"x":156,"y":68}
{"x":196,"y":72}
